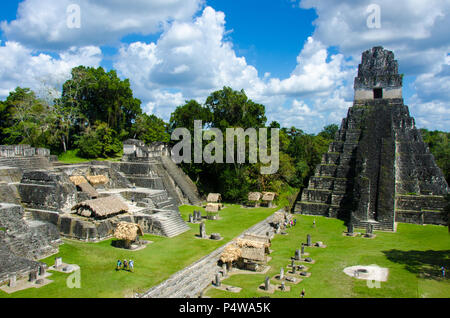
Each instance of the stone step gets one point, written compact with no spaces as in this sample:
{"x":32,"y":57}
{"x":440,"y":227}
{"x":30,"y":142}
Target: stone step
{"x":379,"y":226}
{"x":26,"y":163}
{"x":172,"y":223}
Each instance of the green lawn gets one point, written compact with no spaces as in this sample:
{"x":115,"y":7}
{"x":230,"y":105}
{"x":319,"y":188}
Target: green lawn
{"x":411,"y":253}
{"x":71,"y":157}
{"x":157,"y":262}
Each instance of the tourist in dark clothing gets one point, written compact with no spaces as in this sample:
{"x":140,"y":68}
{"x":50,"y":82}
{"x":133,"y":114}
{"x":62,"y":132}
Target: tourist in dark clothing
{"x":125,"y":264}
{"x":302,"y":294}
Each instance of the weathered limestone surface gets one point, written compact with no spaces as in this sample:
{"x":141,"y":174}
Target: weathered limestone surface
{"x":43,"y":189}
{"x":22,"y":242}
{"x":378,"y":170}
{"x":151,"y":167}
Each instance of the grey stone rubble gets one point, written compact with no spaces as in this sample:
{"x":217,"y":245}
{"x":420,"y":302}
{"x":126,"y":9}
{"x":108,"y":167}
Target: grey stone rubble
{"x":378,"y":169}
{"x":190,"y":281}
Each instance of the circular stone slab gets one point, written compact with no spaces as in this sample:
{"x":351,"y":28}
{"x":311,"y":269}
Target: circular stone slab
{"x":368,"y":272}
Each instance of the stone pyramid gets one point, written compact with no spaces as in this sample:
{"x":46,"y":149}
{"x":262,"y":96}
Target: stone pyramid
{"x":378,"y":170}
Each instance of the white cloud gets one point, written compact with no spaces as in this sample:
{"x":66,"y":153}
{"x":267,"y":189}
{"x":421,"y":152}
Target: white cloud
{"x":21,"y":67}
{"x":193,"y":59}
{"x":415,"y":30}
{"x":313,"y":74}
{"x":43,"y":23}
{"x":430,"y":103}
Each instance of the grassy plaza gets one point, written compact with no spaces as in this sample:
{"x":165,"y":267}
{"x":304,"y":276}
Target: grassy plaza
{"x":413,"y":255}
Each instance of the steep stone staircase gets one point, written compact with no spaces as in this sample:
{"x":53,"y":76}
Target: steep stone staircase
{"x":182,"y":181}
{"x":172,"y":224}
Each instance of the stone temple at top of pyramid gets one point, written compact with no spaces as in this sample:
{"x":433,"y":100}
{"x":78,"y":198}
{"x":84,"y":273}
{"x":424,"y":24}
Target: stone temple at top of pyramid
{"x":378,"y":170}
{"x":378,"y":76}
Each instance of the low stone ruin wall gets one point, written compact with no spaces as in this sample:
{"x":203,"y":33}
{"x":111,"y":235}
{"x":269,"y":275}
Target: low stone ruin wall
{"x":22,"y":151}
{"x":79,"y":228}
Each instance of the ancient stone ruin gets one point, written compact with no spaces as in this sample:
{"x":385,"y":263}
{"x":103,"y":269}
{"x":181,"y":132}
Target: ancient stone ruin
{"x":86,"y":201}
{"x":41,"y":200}
{"x":378,"y":170}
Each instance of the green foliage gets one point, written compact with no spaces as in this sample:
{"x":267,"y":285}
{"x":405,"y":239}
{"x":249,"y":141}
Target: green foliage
{"x":226,"y":108}
{"x":149,"y":129}
{"x":329,"y":131}
{"x":231,"y":108}
{"x":102,"y":141}
{"x":439,"y":145}
{"x":26,"y":118}
{"x":185,"y":115}
{"x":101,"y":96}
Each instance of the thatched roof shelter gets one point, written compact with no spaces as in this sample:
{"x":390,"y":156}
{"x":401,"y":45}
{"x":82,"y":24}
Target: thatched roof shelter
{"x":98,"y":180}
{"x":254,"y":196}
{"x":240,"y":242}
{"x":257,"y":238}
{"x":213,"y":207}
{"x":89,"y":190}
{"x":102,"y":207}
{"x":77,"y":180}
{"x":268,"y":196}
{"x":254,"y":254}
{"x":214,"y":197}
{"x":279,"y":217}
{"x":128,"y":231}
{"x":230,"y":254}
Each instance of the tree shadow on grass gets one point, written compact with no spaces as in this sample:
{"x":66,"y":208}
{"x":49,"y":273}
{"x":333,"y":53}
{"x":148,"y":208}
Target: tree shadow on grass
{"x":426,"y":264}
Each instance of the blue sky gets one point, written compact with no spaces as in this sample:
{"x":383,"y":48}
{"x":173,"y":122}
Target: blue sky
{"x":298,"y":58}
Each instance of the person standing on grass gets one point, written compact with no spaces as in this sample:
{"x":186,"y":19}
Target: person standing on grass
{"x":302,"y":294}
{"x":443,"y":271}
{"x":119,"y":264}
{"x":314,"y":223}
{"x":131,"y":265}
{"x":125,"y":264}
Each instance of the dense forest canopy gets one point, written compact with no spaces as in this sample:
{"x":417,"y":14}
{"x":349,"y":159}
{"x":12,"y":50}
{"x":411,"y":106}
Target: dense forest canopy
{"x":97,"y":112}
